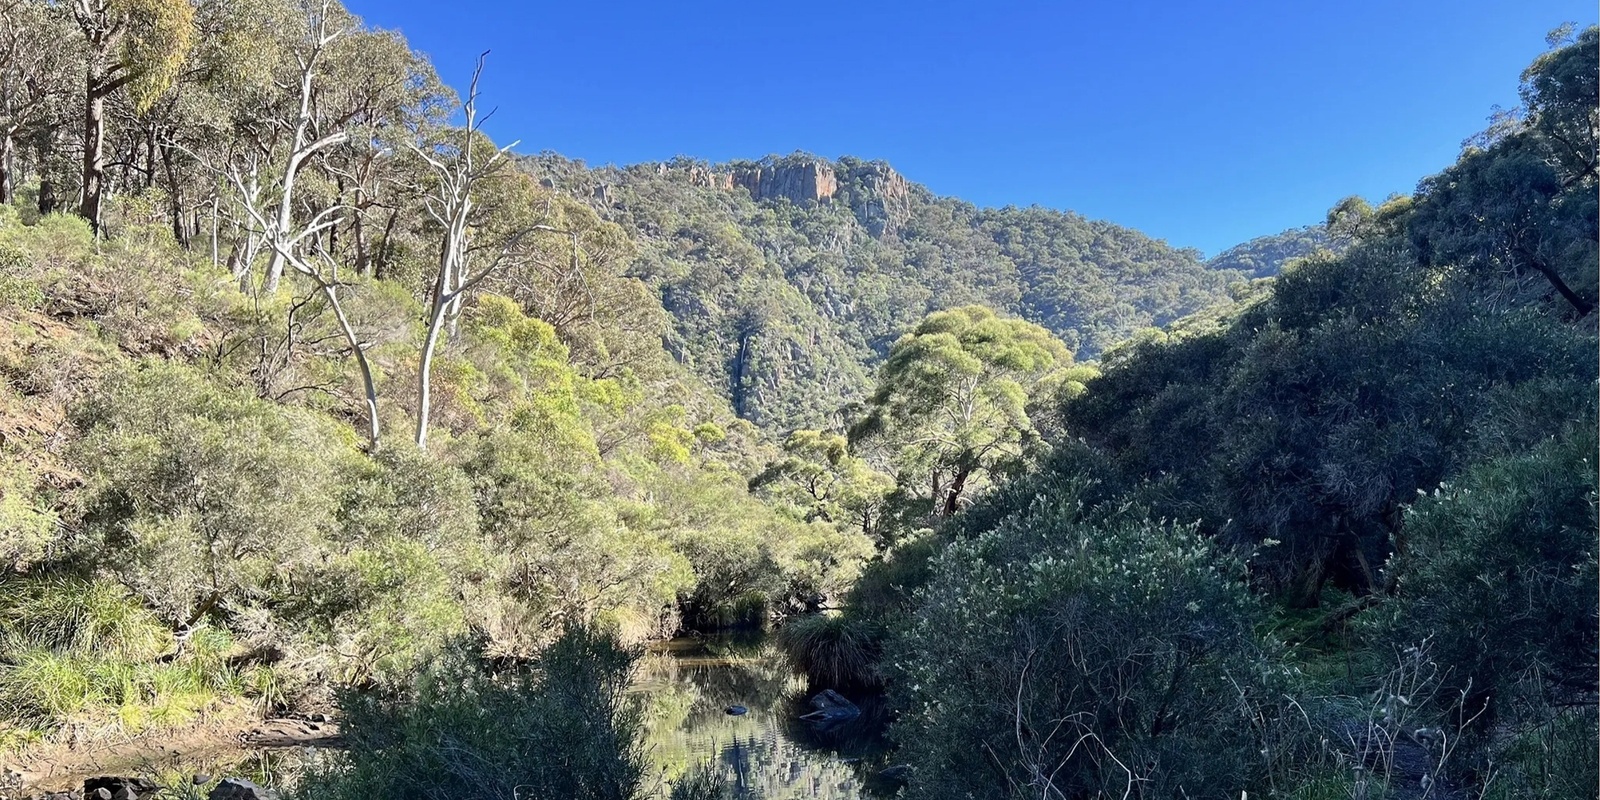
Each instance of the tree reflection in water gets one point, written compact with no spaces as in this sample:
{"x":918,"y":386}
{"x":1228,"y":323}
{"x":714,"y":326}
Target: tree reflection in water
{"x":768,"y":753}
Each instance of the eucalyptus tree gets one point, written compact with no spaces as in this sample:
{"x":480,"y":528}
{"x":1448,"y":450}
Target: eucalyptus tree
{"x":1524,"y":206}
{"x":265,"y":188}
{"x":194,"y":123}
{"x":380,"y":90}
{"x":323,"y":25}
{"x":139,"y":45}
{"x":35,"y":51}
{"x":610,"y":320}
{"x":291,"y":247}
{"x":952,"y":398}
{"x":471,"y":247}
{"x":819,"y":475}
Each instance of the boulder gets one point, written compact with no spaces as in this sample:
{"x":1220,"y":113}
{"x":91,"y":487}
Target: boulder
{"x":829,"y":708}
{"x":115,"y":787}
{"x":240,"y":789}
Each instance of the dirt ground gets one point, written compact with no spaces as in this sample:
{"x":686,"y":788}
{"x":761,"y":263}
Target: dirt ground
{"x":61,"y":766}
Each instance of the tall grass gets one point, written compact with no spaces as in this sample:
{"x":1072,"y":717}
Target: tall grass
{"x":834,"y":651}
{"x":85,"y":651}
{"x":72,"y":614}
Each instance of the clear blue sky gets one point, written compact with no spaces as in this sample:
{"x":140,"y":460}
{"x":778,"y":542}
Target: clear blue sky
{"x":1202,"y":123}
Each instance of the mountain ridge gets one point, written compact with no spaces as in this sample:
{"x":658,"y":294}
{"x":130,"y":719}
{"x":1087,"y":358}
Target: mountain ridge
{"x":801,"y":266}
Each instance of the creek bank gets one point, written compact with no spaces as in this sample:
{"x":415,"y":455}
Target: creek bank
{"x":61,"y":768}
{"x":116,"y":787}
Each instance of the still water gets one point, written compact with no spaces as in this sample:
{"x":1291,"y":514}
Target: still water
{"x":767,"y":752}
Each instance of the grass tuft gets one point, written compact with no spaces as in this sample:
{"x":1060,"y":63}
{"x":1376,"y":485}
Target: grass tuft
{"x":833,"y":651}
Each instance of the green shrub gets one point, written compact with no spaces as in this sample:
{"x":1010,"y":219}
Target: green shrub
{"x":30,"y":530}
{"x":558,"y":542}
{"x":888,"y":582}
{"x":1556,"y":759}
{"x":1497,"y":571}
{"x":19,"y":287}
{"x":560,"y":725}
{"x":1079,"y":660}
{"x":408,"y":546}
{"x":204,"y":495}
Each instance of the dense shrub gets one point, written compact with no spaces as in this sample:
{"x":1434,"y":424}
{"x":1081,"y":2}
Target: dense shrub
{"x":1496,"y":571}
{"x":468,"y":726}
{"x":1076,"y":659}
{"x":204,"y":496}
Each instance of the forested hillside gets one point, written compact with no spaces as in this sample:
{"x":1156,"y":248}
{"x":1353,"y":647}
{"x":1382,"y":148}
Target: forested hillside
{"x":315,"y":399}
{"x":1266,"y":256}
{"x":788,"y":278}
{"x":1337,"y":541}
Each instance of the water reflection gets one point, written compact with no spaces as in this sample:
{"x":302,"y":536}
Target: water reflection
{"x":769,"y":753}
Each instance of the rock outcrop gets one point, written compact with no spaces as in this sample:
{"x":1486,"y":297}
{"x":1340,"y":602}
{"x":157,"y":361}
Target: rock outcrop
{"x":799,"y":181}
{"x":113,"y":787}
{"x":887,"y":200}
{"x":706,"y":177}
{"x":830,"y":708}
{"x":879,"y":196}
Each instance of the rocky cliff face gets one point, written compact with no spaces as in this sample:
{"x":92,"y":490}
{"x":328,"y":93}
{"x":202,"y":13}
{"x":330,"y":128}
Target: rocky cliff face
{"x":886,"y":201}
{"x":802,"y":181}
{"x":880,"y":196}
{"x":704,"y":176}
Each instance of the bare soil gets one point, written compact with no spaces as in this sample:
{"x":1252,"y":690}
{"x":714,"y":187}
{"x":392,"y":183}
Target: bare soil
{"x":60,"y":766}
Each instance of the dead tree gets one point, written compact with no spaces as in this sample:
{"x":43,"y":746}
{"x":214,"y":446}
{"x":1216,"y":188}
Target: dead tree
{"x":287,"y":245}
{"x":301,"y":144}
{"x":457,"y":172}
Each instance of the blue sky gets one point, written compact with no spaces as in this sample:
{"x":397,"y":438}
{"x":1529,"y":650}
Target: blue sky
{"x":1202,"y":123}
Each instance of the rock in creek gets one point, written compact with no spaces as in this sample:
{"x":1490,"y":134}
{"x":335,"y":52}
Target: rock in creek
{"x":240,"y":789}
{"x":831,"y":708}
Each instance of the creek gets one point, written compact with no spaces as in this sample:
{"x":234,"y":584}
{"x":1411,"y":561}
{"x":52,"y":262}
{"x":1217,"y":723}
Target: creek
{"x":767,"y":751}
{"x":686,"y":686}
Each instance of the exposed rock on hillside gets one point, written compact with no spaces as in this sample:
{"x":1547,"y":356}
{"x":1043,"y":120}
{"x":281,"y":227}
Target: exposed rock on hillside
{"x":886,"y":202}
{"x":796,"y":180}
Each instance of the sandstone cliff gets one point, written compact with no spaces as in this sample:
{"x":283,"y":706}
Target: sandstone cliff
{"x":805,"y":180}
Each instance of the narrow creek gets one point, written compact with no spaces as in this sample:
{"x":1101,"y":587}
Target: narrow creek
{"x":686,"y":687}
{"x":768,"y":751}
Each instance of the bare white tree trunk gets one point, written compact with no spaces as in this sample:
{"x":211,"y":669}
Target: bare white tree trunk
{"x":299,"y":148}
{"x":450,"y":206}
{"x":286,"y":245}
{"x":458,"y":171}
{"x":216,"y":200}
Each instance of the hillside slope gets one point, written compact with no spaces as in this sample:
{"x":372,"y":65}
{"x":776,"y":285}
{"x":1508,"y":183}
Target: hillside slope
{"x":789,"y":277}
{"x":1266,"y":256}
